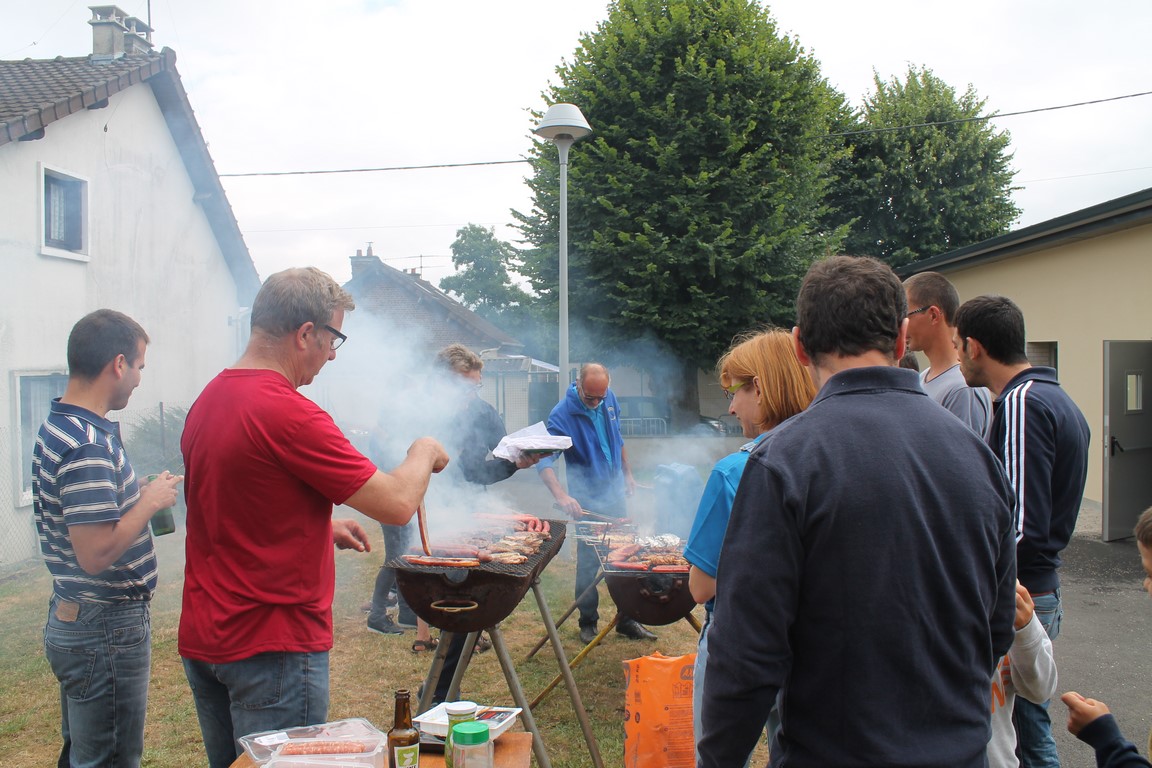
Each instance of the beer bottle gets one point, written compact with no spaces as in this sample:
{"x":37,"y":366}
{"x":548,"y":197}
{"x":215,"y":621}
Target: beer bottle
{"x":403,"y":739}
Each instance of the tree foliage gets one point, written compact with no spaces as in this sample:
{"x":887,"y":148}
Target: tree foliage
{"x":483,"y":283}
{"x":695,"y":206}
{"x":914,"y":192}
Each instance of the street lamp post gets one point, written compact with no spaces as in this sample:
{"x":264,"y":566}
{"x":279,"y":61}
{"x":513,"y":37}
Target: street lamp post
{"x":563,"y":124}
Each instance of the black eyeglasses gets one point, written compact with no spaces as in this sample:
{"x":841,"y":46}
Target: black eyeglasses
{"x":589,"y":400}
{"x":338,"y":339}
{"x":918,"y":311}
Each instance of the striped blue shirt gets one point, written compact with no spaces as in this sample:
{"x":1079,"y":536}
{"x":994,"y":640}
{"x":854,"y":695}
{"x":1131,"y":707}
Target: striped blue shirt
{"x":80,"y":476}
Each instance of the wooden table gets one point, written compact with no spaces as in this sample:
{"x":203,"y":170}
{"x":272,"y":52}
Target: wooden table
{"x":513,"y":750}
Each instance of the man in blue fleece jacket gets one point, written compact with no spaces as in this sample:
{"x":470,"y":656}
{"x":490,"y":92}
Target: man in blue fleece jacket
{"x":868,"y":569}
{"x":1042,"y":438}
{"x":599,"y":480}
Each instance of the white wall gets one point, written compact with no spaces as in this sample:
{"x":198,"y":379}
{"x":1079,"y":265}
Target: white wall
{"x":152,"y":256}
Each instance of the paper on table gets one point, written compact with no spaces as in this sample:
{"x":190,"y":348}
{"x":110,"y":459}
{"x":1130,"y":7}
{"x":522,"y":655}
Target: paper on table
{"x":534,"y":438}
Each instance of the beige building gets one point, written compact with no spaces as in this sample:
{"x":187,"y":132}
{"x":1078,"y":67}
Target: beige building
{"x":1082,"y":281}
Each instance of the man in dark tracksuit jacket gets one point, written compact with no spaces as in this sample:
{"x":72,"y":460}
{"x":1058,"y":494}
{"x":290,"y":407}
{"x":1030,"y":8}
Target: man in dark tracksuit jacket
{"x":867,"y":574}
{"x":1042,"y":438}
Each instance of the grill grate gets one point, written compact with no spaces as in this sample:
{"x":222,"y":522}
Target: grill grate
{"x":533,"y":565}
{"x":602,"y":551}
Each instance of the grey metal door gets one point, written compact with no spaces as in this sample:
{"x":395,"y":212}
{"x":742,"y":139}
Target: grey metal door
{"x":1127,"y":435}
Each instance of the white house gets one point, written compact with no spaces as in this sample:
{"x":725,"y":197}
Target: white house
{"x":109,"y":198}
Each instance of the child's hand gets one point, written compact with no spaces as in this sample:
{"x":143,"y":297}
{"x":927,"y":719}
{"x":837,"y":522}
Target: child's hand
{"x":1082,"y":711}
{"x":1024,"y":607}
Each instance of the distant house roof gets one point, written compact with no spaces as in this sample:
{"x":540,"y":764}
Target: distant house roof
{"x":1112,"y":216}
{"x":36,"y":93}
{"x":411,"y":303}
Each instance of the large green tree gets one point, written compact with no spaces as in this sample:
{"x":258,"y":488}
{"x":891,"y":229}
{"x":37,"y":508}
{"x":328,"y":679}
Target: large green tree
{"x":922,"y":177}
{"x":696,"y":205}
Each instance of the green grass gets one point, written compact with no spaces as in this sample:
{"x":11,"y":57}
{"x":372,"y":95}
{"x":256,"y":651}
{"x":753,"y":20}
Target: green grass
{"x":366,"y":667}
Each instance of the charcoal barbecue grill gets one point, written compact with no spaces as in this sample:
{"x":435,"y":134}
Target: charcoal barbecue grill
{"x":476,"y":599}
{"x":650,"y":597}
{"x":472,"y":599}
{"x":655,"y":598}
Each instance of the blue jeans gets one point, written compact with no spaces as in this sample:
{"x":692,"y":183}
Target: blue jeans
{"x":396,"y":539}
{"x":1035,"y":743}
{"x":266,"y":692}
{"x":588,"y":565}
{"x":102,"y":656}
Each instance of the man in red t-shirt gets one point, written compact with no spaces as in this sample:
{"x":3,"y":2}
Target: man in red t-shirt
{"x":264,"y":466}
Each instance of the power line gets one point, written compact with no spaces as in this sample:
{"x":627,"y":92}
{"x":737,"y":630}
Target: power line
{"x":1082,"y":175}
{"x":983,"y":118}
{"x":980,"y":118}
{"x":371,"y":170}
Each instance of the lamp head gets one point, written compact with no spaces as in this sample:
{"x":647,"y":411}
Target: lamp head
{"x":563,"y":120}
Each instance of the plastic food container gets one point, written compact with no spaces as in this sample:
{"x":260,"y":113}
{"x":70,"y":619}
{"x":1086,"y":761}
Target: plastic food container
{"x":315,"y":762}
{"x":435,"y":720}
{"x":263,"y":745}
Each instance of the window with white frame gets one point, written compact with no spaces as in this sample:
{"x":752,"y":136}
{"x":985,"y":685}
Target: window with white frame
{"x":35,"y":392}
{"x":64,"y":214}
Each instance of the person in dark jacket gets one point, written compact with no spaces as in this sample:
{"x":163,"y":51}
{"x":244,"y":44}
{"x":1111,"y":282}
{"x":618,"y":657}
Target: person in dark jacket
{"x":868,"y":568}
{"x":472,"y":430}
{"x":1042,"y":439}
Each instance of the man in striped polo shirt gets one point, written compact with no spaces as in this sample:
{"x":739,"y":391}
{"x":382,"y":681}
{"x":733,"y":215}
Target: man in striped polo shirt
{"x":1042,"y":439}
{"x":92,"y":517}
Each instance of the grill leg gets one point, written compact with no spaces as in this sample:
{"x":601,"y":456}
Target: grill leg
{"x":569,"y":666}
{"x":433,"y":678}
{"x":566,"y":672}
{"x":694,"y":623}
{"x":465,"y":659}
{"x":571,"y":610}
{"x":518,"y":696}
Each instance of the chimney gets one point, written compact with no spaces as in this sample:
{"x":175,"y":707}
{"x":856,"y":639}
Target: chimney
{"x":114,"y":33}
{"x":362,"y":264}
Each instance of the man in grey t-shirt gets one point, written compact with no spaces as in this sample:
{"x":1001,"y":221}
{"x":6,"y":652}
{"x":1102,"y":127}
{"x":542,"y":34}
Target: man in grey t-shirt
{"x":932,"y":305}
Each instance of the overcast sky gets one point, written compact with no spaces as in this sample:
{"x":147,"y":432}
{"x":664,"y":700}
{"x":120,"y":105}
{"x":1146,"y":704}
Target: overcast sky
{"x":290,"y":85}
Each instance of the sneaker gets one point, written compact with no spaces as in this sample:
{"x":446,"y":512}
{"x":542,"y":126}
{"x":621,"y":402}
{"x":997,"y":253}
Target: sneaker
{"x":366,"y":607}
{"x":406,"y":619}
{"x":384,"y":626}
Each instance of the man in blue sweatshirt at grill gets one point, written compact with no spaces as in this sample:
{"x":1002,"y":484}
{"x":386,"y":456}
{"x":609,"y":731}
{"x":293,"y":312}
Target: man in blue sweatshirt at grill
{"x":599,"y":480}
{"x":1042,"y":439}
{"x":867,"y":575}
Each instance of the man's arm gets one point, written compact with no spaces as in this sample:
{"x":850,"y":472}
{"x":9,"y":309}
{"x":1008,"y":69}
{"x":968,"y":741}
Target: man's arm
{"x":629,"y":481}
{"x":1003,"y":619}
{"x":762,"y":546}
{"x":972,"y":406}
{"x":99,"y":545}
{"x":565,"y":502}
{"x":1032,"y":445}
{"x":480,"y":438}
{"x":1091,"y":722}
{"x":392,"y":497}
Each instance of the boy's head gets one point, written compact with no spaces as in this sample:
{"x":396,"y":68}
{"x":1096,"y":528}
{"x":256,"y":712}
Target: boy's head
{"x":1143,"y":533}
